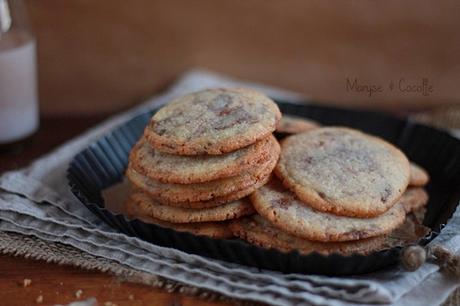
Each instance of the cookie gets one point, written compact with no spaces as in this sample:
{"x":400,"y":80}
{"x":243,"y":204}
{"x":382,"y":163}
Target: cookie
{"x":169,"y":193}
{"x":217,"y":201}
{"x":414,"y":198}
{"x":213,"y":121}
{"x":295,"y":125}
{"x":148,"y":207}
{"x":176,"y":169}
{"x":257,"y":230}
{"x":418,"y":176}
{"x":217,"y":230}
{"x":282,"y":208}
{"x":343,"y":171}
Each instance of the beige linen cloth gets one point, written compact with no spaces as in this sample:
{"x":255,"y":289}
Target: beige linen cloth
{"x":40,"y":218}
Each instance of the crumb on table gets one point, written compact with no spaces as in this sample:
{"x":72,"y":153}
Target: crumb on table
{"x":39,"y":299}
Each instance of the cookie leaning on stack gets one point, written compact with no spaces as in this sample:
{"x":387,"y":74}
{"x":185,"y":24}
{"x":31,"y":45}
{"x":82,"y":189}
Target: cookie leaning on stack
{"x":200,"y":156}
{"x":343,"y":171}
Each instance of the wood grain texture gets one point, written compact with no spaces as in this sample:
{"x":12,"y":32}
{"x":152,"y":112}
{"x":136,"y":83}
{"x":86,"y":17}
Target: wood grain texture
{"x":99,"y":56}
{"x":59,"y":285}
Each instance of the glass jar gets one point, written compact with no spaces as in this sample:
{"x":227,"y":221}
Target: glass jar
{"x":18,"y":75}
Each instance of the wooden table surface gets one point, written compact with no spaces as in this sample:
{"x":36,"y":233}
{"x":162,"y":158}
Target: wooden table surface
{"x":59,"y":284}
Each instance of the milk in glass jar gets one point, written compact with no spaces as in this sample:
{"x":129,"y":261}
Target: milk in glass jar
{"x":18,"y":75}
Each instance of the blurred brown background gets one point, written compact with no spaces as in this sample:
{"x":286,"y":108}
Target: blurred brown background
{"x":102,"y":56}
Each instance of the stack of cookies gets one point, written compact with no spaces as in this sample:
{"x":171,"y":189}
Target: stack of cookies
{"x":200,"y":157}
{"x":337,"y":190}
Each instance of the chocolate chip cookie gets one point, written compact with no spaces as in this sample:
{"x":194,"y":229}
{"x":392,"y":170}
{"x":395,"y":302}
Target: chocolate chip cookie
{"x":148,"y":207}
{"x":295,"y":125}
{"x":259,"y":231}
{"x":214,"y":121}
{"x":167,"y":193}
{"x":343,"y":171}
{"x":217,"y":230}
{"x":418,"y":176}
{"x":282,"y":208}
{"x":180,"y":169}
